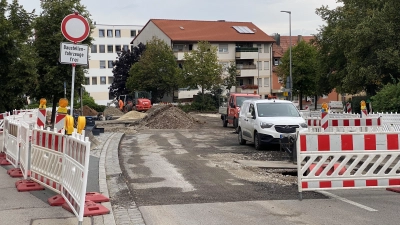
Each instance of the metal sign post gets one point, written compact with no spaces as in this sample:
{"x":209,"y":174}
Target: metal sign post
{"x":75,"y":28}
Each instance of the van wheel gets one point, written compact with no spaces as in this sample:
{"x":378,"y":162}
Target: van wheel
{"x":257,"y":141}
{"x":224,"y":121}
{"x":240,"y":137}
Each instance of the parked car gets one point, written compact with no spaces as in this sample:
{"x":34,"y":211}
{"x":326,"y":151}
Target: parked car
{"x":267,"y":121}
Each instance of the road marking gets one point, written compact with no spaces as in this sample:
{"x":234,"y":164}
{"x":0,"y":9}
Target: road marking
{"x":348,"y":201}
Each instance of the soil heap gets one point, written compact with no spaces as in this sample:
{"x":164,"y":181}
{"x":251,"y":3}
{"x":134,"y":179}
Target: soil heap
{"x":168,"y":117}
{"x":132,"y":115}
{"x":110,"y":110}
{"x":87,"y":111}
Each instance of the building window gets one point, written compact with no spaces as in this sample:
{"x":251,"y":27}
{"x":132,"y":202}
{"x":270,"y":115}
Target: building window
{"x":259,"y":82}
{"x":126,"y":47}
{"x":87,"y":81}
{"x":259,"y":65}
{"x":133,"y":33}
{"x":93,"y":49}
{"x":266,"y":48}
{"x":259,"y":48}
{"x":103,"y":80}
{"x":110,"y":64}
{"x":178,"y":48}
{"x":266,"y":65}
{"x":276,"y":62}
{"x":117,"y":48}
{"x":117,"y":33}
{"x":240,"y":82}
{"x":101,"y":33}
{"x":102,"y":48}
{"x":266,"y":82}
{"x":110,"y":49}
{"x":223,"y":48}
{"x":102,"y":64}
{"x":94,"y":80}
{"x":109,"y":33}
{"x":110,"y":80}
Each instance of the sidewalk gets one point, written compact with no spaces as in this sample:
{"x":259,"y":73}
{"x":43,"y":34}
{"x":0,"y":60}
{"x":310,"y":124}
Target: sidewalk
{"x":31,"y":208}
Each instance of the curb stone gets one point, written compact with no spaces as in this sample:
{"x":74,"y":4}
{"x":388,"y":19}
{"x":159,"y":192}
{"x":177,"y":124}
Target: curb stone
{"x":127,"y":214}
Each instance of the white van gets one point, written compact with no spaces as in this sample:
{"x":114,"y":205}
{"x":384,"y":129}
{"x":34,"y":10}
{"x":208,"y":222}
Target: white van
{"x":263,"y":121}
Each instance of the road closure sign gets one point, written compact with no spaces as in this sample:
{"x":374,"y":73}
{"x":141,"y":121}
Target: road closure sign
{"x":71,"y":53}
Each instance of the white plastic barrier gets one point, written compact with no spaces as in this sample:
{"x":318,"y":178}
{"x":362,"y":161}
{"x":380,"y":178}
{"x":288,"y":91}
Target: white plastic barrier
{"x":12,"y":141}
{"x":75,"y":172}
{"x":348,"y":160}
{"x":25,"y":138}
{"x":46,"y":158}
{"x":2,"y":117}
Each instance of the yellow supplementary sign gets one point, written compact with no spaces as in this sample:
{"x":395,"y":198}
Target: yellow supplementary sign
{"x":285,"y":94}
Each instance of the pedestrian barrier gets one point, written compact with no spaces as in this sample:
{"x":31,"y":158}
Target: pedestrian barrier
{"x":19,"y":111}
{"x":60,"y":122}
{"x":2,"y":117}
{"x":342,"y":160}
{"x":11,"y":143}
{"x":41,"y":118}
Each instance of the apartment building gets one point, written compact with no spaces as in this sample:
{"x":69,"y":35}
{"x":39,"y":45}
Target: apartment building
{"x":242,"y":43}
{"x":108,"y":41}
{"x":279,"y":48}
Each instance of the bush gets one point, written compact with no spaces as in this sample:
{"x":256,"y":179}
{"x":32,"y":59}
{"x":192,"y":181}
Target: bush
{"x":387,"y":99}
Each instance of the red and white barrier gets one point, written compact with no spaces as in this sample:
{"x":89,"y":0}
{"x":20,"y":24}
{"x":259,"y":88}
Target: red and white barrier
{"x":11,"y":142}
{"x":348,"y":107}
{"x":60,"y":122}
{"x":330,"y":120}
{"x":75,"y":173}
{"x":348,"y":160}
{"x":41,"y":118}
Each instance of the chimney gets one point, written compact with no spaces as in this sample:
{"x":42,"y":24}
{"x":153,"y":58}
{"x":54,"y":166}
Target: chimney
{"x":299,"y":38}
{"x":278,"y":39}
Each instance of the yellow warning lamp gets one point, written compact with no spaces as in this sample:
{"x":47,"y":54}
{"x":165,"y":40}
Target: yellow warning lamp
{"x":42,"y":104}
{"x":81,"y":124}
{"x":363,"y":105}
{"x":324,"y":107}
{"x":69,"y":124}
{"x":62,"y":106}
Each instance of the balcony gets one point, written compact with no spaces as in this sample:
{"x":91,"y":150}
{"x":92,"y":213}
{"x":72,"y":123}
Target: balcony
{"x":247,"y":73}
{"x":179,"y":55}
{"x":246,"y":53}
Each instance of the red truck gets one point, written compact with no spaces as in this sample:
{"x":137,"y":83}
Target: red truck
{"x":230,"y":110}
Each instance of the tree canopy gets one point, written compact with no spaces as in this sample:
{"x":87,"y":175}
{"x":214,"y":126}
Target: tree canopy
{"x":122,"y":67}
{"x":156,"y":72}
{"x":17,"y":55}
{"x":305,"y":69}
{"x":360,"y":44}
{"x":201,"y":67}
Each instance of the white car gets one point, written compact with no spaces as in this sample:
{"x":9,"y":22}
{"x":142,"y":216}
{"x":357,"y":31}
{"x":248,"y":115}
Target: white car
{"x":266,"y":121}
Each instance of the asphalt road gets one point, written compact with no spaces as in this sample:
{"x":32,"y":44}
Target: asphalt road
{"x":173,"y":181}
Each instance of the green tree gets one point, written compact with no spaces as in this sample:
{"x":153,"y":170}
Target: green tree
{"x":48,"y":37}
{"x":17,"y":56}
{"x":231,"y":79}
{"x":304,"y":69}
{"x":201,"y":67}
{"x":156,"y":71}
{"x":361,"y":44}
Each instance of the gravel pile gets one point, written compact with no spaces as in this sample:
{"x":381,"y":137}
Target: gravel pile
{"x":112,"y":111}
{"x":132,"y":115}
{"x":168,"y":117}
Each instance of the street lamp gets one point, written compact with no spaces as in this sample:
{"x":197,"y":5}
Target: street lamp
{"x":290,"y":54}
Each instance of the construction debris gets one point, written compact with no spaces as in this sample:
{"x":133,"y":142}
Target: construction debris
{"x":132,"y":115}
{"x":168,"y":117}
{"x":87,"y":111}
{"x":110,"y":110}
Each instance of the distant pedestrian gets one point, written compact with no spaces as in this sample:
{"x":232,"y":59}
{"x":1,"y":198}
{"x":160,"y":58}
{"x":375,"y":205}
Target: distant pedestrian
{"x":121,"y":105}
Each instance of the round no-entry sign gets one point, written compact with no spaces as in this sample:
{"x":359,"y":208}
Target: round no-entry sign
{"x":75,"y":28}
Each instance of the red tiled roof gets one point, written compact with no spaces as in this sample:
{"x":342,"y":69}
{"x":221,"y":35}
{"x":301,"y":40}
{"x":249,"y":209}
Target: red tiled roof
{"x":212,"y":31}
{"x":279,"y":50}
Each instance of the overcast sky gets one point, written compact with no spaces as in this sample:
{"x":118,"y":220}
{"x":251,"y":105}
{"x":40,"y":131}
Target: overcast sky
{"x":263,"y":13}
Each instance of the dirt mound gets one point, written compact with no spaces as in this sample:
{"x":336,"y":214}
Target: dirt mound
{"x":87,"y":111}
{"x":168,"y":117}
{"x":112,"y":111}
{"x":132,"y":115}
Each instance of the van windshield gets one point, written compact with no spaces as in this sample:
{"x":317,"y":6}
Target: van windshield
{"x":277,"y":110}
{"x":241,"y":99}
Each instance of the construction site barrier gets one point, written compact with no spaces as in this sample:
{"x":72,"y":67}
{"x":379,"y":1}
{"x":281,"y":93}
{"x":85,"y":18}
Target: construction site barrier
{"x":11,"y":143}
{"x":24,"y":151}
{"x":341,"y":160}
{"x":60,"y":122}
{"x":2,"y":117}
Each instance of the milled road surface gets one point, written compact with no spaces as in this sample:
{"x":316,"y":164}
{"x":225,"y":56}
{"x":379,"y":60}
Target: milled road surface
{"x":189,"y":177}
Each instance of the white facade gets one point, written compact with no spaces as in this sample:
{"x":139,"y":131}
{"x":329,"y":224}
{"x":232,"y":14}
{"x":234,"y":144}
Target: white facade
{"x":108,"y":39}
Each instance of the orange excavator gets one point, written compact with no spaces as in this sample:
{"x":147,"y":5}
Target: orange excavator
{"x":140,"y":101}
